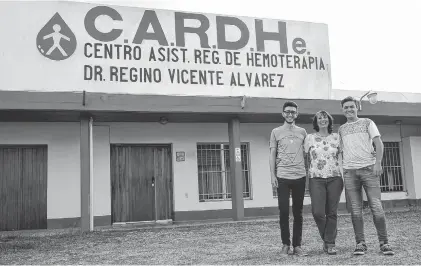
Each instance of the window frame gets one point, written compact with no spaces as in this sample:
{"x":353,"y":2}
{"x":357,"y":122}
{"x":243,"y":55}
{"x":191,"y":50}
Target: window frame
{"x":226,"y":196}
{"x":394,"y":145}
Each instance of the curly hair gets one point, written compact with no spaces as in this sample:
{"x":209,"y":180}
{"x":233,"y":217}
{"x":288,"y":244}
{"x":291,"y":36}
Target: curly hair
{"x":329,"y":127}
{"x":289,"y":104}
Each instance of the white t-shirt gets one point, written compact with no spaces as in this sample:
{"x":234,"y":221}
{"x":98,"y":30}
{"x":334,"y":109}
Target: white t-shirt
{"x":289,"y":151}
{"x":357,"y":143}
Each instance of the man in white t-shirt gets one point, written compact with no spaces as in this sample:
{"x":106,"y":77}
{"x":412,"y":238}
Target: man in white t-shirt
{"x":288,"y":175}
{"x":362,"y":168}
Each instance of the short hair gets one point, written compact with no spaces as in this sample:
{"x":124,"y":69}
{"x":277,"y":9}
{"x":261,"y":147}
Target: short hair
{"x":349,"y":99}
{"x":289,"y":104}
{"x":329,"y":127}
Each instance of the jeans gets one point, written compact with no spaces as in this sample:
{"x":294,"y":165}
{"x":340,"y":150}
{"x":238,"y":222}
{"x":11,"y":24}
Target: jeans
{"x":297,"y":188}
{"x":325,"y":194}
{"x":354,"y":181}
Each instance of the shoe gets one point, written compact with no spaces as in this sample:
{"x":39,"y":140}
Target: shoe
{"x":299,"y":252}
{"x":286,"y":250}
{"x":386,"y":249}
{"x":331,"y":250}
{"x":324,"y":248}
{"x":360,"y":249}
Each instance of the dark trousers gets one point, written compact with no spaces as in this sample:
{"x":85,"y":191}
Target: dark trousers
{"x":297,"y":188}
{"x":325,"y":194}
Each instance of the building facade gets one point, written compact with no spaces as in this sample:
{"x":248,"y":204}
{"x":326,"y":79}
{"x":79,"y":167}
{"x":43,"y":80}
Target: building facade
{"x":86,"y":153}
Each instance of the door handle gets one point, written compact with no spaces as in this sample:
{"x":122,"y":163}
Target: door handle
{"x":153,"y":181}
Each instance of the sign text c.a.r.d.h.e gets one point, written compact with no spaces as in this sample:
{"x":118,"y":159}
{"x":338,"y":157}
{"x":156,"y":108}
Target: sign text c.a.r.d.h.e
{"x":151,"y":20}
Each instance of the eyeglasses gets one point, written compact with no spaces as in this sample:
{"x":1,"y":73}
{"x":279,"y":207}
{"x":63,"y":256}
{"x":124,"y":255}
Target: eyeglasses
{"x":290,"y":112}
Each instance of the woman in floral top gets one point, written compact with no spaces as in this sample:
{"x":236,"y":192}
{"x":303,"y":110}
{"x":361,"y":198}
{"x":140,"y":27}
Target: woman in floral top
{"x":326,"y":183}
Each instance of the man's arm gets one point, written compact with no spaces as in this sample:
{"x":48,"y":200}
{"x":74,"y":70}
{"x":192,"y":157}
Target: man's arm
{"x":306,"y":158}
{"x":306,"y":150}
{"x":374,"y":134}
{"x":377,"y":170}
{"x":272,"y":163}
{"x":272,"y":159}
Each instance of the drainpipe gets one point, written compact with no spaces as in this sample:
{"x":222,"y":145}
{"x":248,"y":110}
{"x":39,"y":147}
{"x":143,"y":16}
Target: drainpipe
{"x":91,"y":174}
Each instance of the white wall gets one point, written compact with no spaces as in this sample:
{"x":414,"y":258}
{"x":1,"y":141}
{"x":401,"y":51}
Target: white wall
{"x":63,"y":140}
{"x":184,"y":137}
{"x":102,"y":175}
{"x":63,"y":186}
{"x":412,"y":151}
{"x":416,"y":159}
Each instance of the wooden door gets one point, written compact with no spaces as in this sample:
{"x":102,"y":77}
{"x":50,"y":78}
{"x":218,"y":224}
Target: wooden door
{"x":163,"y":183}
{"x":138,"y":177}
{"x":23,"y":187}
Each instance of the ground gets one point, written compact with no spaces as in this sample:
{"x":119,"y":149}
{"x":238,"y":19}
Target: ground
{"x":247,"y":242}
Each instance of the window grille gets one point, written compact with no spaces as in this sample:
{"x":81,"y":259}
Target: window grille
{"x":391,"y":180}
{"x":213,"y":164}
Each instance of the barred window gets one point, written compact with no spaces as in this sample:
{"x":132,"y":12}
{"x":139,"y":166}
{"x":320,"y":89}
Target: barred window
{"x":213,"y":164}
{"x":391,"y":180}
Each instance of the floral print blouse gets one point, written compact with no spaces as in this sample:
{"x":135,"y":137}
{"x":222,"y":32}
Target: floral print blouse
{"x":323,"y":152}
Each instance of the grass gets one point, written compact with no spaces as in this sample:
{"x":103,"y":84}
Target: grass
{"x":250,"y":242}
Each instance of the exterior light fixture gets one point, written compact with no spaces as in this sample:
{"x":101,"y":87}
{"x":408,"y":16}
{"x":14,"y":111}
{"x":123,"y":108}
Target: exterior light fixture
{"x":163,"y":120}
{"x":371,"y":96}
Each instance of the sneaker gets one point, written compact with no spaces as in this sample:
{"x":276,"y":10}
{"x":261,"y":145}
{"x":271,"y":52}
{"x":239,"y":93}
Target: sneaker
{"x":386,"y":249}
{"x":299,"y":252}
{"x":286,"y":250}
{"x":331,"y":250}
{"x":360,"y":249}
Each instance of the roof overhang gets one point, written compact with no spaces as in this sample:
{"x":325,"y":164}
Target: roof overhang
{"x":146,"y":108}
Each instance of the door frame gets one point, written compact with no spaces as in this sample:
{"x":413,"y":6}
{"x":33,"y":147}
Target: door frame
{"x":165,"y":145}
{"x":23,"y":145}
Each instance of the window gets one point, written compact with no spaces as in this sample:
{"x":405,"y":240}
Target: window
{"x":213,"y":163}
{"x":391,"y":179}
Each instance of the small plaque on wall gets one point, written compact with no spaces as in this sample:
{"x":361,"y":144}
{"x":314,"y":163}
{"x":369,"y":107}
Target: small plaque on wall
{"x":180,"y":156}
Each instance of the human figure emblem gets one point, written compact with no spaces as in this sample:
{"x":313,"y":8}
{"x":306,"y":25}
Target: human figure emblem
{"x":56,"y":40}
{"x":56,"y":36}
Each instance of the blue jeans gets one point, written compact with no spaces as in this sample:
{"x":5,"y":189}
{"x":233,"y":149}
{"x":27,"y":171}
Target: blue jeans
{"x":325,"y":194}
{"x":354,"y":181}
